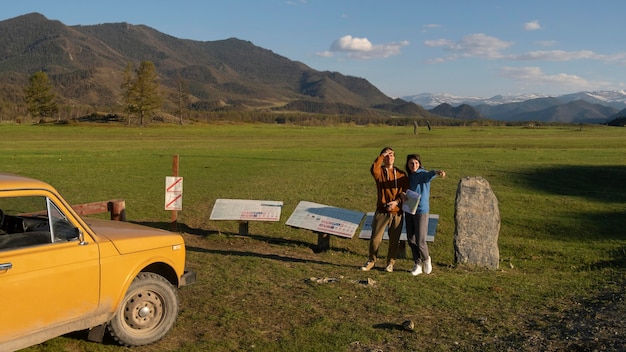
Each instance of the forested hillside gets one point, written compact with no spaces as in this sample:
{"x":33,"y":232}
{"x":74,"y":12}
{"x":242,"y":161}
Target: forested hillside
{"x":86,"y":65}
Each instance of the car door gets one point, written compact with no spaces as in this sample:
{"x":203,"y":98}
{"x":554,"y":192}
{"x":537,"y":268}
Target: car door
{"x":45,"y":285}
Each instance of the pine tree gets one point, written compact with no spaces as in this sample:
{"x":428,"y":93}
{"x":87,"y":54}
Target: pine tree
{"x":141,"y":93}
{"x":40,"y":97}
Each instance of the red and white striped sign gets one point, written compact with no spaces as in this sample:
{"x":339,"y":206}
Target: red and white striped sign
{"x":173,"y":193}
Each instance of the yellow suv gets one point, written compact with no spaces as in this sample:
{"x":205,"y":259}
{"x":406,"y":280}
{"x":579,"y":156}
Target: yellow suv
{"x":61,"y":273}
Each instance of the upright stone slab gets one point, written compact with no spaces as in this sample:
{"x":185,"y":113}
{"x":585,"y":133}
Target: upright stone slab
{"x":477,"y":224}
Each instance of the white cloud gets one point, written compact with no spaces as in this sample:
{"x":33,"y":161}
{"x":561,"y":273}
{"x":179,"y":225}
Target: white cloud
{"x":546,"y":43}
{"x":534,"y":76}
{"x":362,"y":48}
{"x":561,"y":55}
{"x":349,"y":43}
{"x":480,"y":45}
{"x":429,"y":26}
{"x":557,"y":55}
{"x":440,"y":42}
{"x":473,"y":45}
{"x":532,"y":26}
{"x":324,"y":54}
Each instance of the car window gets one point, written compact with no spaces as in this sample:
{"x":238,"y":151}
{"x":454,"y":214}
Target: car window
{"x":62,"y":229}
{"x":30,"y":221}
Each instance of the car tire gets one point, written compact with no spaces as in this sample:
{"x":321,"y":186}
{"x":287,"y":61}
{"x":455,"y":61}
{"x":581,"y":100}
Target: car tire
{"x":147,"y":313}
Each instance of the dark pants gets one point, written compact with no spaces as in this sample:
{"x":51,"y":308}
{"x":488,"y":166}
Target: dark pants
{"x":416,"y":231}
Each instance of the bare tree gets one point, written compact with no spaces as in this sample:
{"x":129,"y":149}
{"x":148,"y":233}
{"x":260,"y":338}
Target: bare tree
{"x":127,"y":91}
{"x":181,"y":98}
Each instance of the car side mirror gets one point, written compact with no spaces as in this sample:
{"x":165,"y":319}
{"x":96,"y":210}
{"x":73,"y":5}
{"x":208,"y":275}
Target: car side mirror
{"x":81,"y":237}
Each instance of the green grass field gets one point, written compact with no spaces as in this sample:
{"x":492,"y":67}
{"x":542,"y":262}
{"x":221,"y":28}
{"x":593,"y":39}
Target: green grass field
{"x":562,"y":199}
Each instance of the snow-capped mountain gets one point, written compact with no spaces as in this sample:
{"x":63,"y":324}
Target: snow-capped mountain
{"x":616,"y":99}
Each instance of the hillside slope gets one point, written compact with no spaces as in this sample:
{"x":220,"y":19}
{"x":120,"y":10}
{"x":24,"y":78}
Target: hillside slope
{"x":463,"y":112}
{"x":86,"y":64}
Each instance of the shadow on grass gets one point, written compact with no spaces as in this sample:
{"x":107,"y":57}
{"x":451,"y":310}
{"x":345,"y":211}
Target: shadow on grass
{"x":596,"y":183}
{"x":618,"y":261}
{"x":270,"y":240}
{"x":606,"y":184}
{"x":270,"y":256}
{"x":291,"y":243}
{"x":388,"y":326}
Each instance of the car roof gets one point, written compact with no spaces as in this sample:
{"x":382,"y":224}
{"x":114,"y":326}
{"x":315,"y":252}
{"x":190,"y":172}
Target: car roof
{"x":12,"y":181}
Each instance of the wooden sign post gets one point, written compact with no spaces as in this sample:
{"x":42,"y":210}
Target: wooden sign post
{"x":174,"y":216}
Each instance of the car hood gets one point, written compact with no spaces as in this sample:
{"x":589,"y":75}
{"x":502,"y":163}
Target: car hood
{"x":128,"y":237}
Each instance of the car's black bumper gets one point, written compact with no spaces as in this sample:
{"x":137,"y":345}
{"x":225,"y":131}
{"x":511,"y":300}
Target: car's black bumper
{"x":188,"y":278}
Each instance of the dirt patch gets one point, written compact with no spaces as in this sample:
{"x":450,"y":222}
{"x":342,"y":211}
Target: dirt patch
{"x":593,"y":324}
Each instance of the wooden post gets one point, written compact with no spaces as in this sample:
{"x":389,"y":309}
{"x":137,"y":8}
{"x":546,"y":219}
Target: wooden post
{"x":174,"y":218}
{"x":323,"y":242}
{"x":117,"y":208}
{"x":243,"y":228}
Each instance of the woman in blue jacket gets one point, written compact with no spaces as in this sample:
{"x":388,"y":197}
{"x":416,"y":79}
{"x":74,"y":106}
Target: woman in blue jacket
{"x":417,"y":224}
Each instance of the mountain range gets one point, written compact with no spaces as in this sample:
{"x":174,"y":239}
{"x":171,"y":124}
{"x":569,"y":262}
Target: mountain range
{"x":86,"y":67}
{"x":581,"y":107}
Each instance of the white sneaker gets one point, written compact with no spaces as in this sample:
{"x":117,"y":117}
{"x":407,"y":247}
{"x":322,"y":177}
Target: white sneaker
{"x":428,"y":266}
{"x":368,"y":266}
{"x":389,"y":268}
{"x":417,"y":269}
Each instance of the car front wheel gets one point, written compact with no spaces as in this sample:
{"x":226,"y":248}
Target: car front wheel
{"x":147,"y":313}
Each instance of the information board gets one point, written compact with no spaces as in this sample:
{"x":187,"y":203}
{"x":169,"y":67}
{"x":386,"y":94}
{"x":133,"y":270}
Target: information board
{"x":245,"y":209}
{"x":366,"y":230}
{"x":325,"y":219}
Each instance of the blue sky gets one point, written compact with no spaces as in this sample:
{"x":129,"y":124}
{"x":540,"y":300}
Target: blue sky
{"x":475,"y":48}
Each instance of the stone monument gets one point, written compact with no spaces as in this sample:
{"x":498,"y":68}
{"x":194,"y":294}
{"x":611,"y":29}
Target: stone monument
{"x":477,"y":224}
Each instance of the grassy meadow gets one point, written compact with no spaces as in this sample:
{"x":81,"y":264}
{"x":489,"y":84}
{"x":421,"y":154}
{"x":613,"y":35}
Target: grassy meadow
{"x":562,"y":200}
